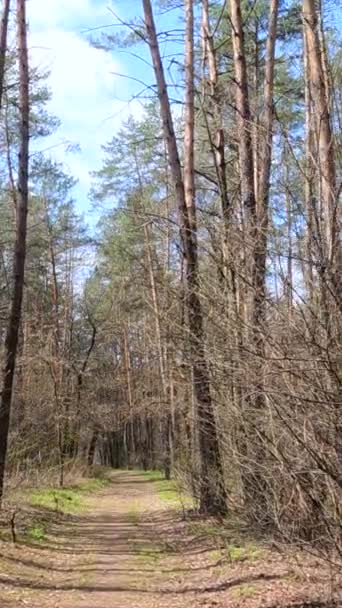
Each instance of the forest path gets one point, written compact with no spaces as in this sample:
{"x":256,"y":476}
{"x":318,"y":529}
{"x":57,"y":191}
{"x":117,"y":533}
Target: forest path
{"x":110,"y":557}
{"x":131,"y":549}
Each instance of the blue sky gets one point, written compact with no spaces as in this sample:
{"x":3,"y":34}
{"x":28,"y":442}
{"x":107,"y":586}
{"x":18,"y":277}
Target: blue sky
{"x":87,"y":96}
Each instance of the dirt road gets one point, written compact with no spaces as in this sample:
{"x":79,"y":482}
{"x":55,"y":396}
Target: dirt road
{"x":131,"y":550}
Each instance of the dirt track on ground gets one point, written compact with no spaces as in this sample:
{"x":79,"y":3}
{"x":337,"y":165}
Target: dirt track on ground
{"x":130,"y":550}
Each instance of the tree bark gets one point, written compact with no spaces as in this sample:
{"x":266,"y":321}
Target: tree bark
{"x":323,"y":131}
{"x":127,"y":357}
{"x":92,"y":448}
{"x":261,"y":234}
{"x":3,"y":45}
{"x":12,"y":332}
{"x":244,"y":122}
{"x":309,"y":182}
{"x":327,"y":215}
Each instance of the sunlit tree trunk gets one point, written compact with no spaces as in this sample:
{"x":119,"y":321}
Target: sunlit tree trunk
{"x":309,"y":245}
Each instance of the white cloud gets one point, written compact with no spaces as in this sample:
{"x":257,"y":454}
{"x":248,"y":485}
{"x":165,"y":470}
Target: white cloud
{"x":81,"y":76}
{"x":87,"y":96}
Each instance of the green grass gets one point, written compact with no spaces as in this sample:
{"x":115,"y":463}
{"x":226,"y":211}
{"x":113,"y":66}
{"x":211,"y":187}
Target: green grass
{"x":62,"y":500}
{"x":69,"y":500}
{"x":36,"y":533}
{"x":250,"y":553}
{"x":66,"y":500}
{"x":152,"y":475}
{"x":92,"y":485}
{"x":168,"y":490}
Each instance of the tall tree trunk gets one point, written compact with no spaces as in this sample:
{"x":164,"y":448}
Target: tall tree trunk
{"x":92,"y":448}
{"x":265,"y":148}
{"x":57,"y":362}
{"x":268,"y":115}
{"x":75,"y":438}
{"x":127,"y":356}
{"x":323,"y":132}
{"x":162,"y":355}
{"x":244,"y":128}
{"x":324,"y":57}
{"x":289,"y":229}
{"x":244,"y":122}
{"x":255,"y":209}
{"x":166,"y":411}
{"x":3,"y":44}
{"x":244,"y":293}
{"x":256,"y":118}
{"x":217,"y":139}
{"x":310,"y":241}
{"x":12,"y":333}
{"x":328,"y":217}
{"x":212,"y":497}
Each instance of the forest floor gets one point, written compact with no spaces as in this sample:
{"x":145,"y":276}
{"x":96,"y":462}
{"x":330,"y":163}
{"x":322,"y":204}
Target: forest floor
{"x":130,"y":547}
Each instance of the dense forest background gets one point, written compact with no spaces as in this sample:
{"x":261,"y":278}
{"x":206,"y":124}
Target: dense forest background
{"x":198,"y":328}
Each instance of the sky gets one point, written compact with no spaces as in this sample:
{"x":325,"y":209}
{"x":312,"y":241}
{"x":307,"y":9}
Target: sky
{"x":88,"y":96}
